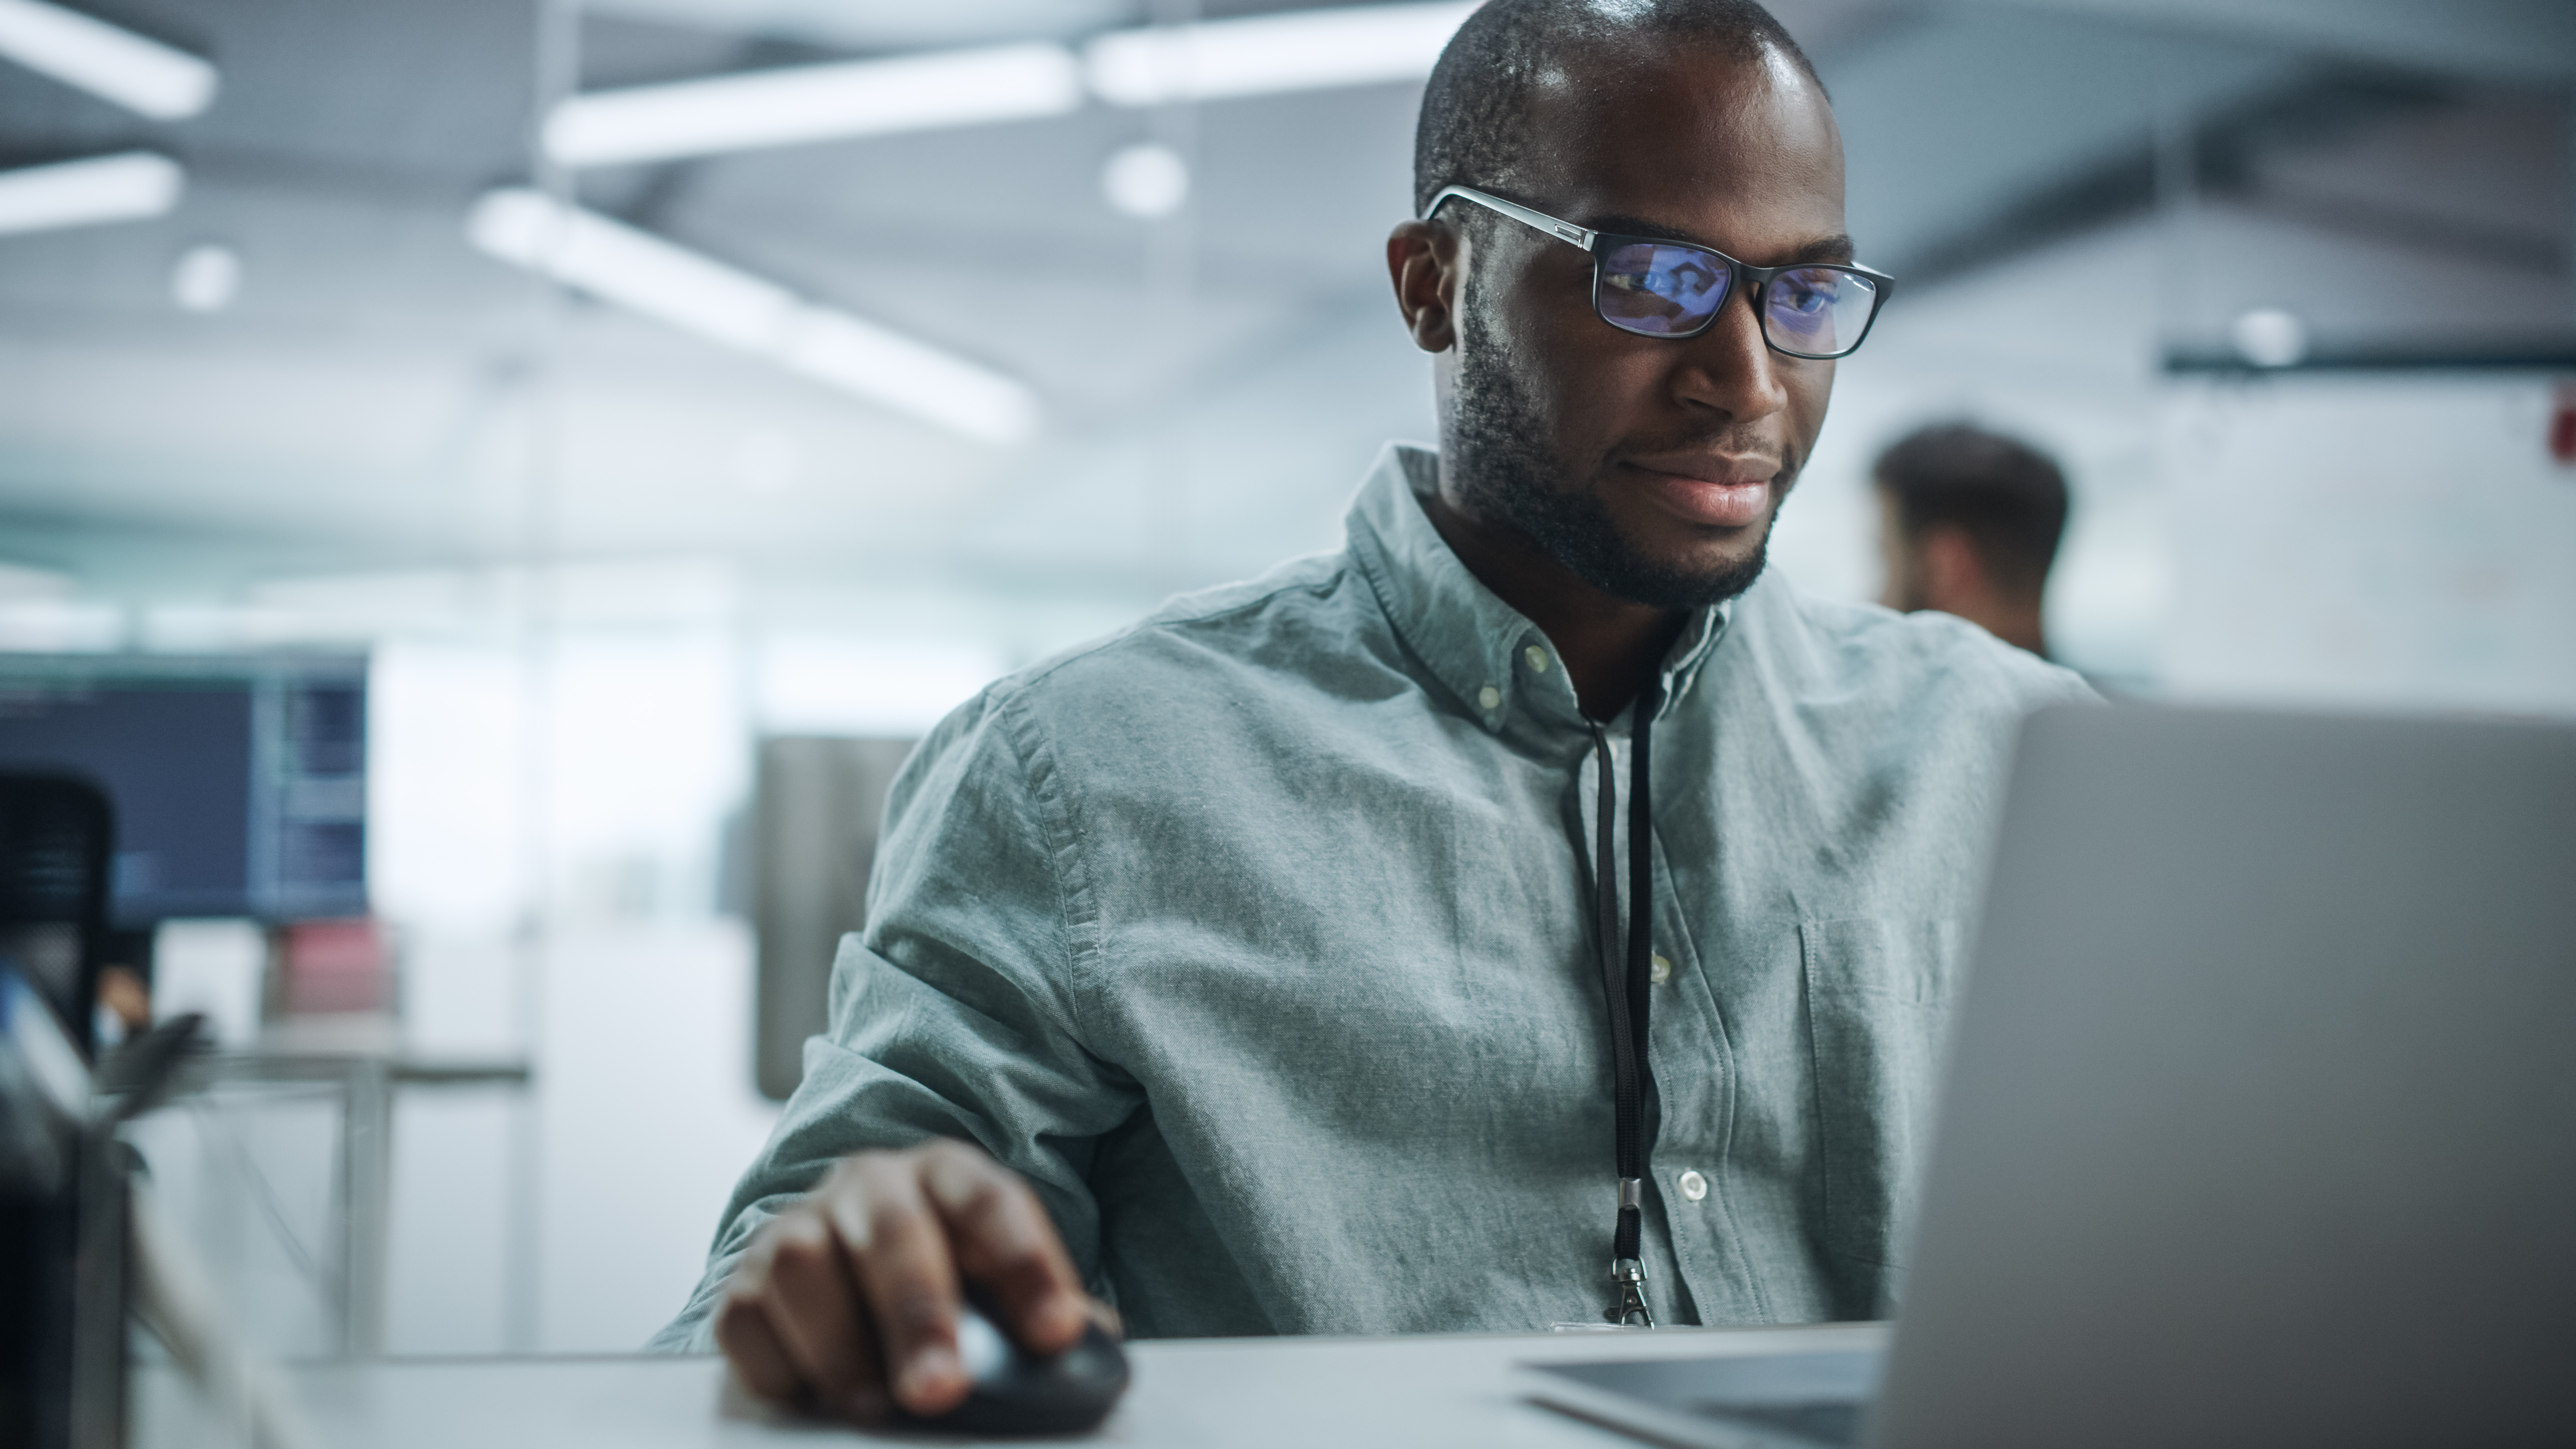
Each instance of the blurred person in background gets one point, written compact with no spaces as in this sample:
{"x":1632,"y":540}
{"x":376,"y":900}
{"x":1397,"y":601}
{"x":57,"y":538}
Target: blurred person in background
{"x":1968,"y":524}
{"x":1321,"y":955}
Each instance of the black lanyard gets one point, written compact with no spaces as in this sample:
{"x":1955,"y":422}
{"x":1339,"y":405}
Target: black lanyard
{"x":1625,"y":986}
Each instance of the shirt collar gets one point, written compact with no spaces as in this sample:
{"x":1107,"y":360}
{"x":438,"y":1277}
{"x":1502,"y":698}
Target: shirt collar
{"x":1487,"y":654}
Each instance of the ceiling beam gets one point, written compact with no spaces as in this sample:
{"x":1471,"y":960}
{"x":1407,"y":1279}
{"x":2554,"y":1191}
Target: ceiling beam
{"x":2525,"y":41}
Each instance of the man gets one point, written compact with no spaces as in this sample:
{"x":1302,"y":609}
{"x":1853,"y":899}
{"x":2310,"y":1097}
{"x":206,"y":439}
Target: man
{"x":1283,"y":958}
{"x":1969,"y":523}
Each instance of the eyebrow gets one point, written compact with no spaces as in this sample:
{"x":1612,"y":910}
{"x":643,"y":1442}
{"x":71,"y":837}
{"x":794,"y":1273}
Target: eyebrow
{"x":1836,"y":248}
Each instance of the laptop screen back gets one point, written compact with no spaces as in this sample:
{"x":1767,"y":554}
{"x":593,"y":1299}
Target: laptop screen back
{"x":2261,"y":1122}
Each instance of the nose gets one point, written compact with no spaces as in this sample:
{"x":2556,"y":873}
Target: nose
{"x":1729,"y":368}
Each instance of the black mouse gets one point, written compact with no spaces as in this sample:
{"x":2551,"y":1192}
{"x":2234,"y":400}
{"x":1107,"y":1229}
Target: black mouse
{"x":1018,"y":1392}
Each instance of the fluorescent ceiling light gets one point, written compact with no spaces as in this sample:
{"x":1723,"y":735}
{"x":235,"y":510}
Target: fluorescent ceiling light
{"x":78,"y":193}
{"x":834,"y":347}
{"x":631,"y":268}
{"x":118,"y":65}
{"x":1304,"y":50}
{"x":878,"y":29}
{"x":1307,"y":50}
{"x":814,"y":103}
{"x":671,"y":284}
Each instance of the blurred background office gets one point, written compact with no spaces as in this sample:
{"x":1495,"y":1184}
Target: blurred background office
{"x":530,"y":466}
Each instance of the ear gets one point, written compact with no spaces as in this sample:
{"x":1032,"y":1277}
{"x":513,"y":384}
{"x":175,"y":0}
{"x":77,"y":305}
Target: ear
{"x":1953,"y":578}
{"x":1425,"y":260}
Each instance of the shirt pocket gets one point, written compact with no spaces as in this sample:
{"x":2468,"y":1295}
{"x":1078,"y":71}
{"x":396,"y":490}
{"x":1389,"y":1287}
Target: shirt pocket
{"x":1879,"y":993}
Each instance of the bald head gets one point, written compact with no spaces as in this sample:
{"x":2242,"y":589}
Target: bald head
{"x":1483,"y":114}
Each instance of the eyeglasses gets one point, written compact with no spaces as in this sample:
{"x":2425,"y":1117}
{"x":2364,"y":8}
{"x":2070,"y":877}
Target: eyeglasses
{"x":1659,"y":288}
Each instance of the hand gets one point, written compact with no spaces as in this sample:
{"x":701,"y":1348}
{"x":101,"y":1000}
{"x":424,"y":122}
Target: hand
{"x":857,"y":1287}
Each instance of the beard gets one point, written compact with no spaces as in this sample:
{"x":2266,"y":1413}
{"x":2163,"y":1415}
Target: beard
{"x":1504,"y":469}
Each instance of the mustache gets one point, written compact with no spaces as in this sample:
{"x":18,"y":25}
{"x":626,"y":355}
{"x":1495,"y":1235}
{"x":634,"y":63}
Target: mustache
{"x":1730,"y":438}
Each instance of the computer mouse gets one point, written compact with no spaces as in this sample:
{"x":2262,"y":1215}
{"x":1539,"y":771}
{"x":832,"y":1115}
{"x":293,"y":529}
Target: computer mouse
{"x":1018,"y":1392}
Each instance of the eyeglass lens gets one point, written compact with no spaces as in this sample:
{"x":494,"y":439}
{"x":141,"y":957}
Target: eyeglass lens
{"x":1664,"y":291}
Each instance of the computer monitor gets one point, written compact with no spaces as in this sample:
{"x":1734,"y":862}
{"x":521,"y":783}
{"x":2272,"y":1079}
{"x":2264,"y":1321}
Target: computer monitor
{"x":239,"y":782}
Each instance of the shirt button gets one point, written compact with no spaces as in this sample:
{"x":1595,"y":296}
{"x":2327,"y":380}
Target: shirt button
{"x":1489,"y":697}
{"x":1537,"y":658}
{"x":1693,"y":1186}
{"x":1661,"y":970}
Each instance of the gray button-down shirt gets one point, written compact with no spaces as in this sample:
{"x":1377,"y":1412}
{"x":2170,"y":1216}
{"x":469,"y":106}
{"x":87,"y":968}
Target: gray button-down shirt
{"x":1259,"y":938}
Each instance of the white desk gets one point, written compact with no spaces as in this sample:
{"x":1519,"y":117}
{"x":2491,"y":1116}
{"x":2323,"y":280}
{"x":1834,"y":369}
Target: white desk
{"x":1310,"y":1393}
{"x":363,"y":1061}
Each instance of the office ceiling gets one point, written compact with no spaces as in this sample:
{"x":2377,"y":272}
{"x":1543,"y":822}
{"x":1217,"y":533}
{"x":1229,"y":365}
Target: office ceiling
{"x":384,"y":397}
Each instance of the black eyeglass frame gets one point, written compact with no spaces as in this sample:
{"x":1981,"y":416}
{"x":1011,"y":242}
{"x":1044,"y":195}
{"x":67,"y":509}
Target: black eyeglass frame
{"x":1754,"y":281}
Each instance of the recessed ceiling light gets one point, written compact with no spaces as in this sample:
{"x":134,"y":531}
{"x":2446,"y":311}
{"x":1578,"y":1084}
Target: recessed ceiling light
{"x":126,"y":187}
{"x":1146,"y":180}
{"x":117,"y":65}
{"x":696,"y":293}
{"x":2270,"y":337}
{"x":206,"y":278}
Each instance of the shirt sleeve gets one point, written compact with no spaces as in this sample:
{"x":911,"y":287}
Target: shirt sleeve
{"x":952,"y":1012}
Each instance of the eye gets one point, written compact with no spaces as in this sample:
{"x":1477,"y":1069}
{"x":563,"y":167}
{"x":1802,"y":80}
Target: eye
{"x":1806,"y":296}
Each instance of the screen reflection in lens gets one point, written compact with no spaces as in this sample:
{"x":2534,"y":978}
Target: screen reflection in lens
{"x":1816,"y":309}
{"x":1661,"y":289}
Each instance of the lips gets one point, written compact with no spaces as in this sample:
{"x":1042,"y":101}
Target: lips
{"x":1715,"y":493}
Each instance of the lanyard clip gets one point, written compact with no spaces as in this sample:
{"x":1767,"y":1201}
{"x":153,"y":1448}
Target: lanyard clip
{"x":1631,"y":1311}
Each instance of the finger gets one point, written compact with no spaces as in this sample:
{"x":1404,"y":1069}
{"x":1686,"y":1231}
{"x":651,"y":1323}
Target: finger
{"x":813,"y":1309}
{"x":751,"y":1346}
{"x":906,"y":1279}
{"x":1005,"y":1243}
{"x":1104,"y":1315}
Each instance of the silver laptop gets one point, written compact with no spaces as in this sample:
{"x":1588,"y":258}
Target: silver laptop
{"x":2260,"y":1126}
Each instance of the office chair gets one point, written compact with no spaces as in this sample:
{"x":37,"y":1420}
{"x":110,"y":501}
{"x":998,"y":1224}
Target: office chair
{"x":57,"y":837}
